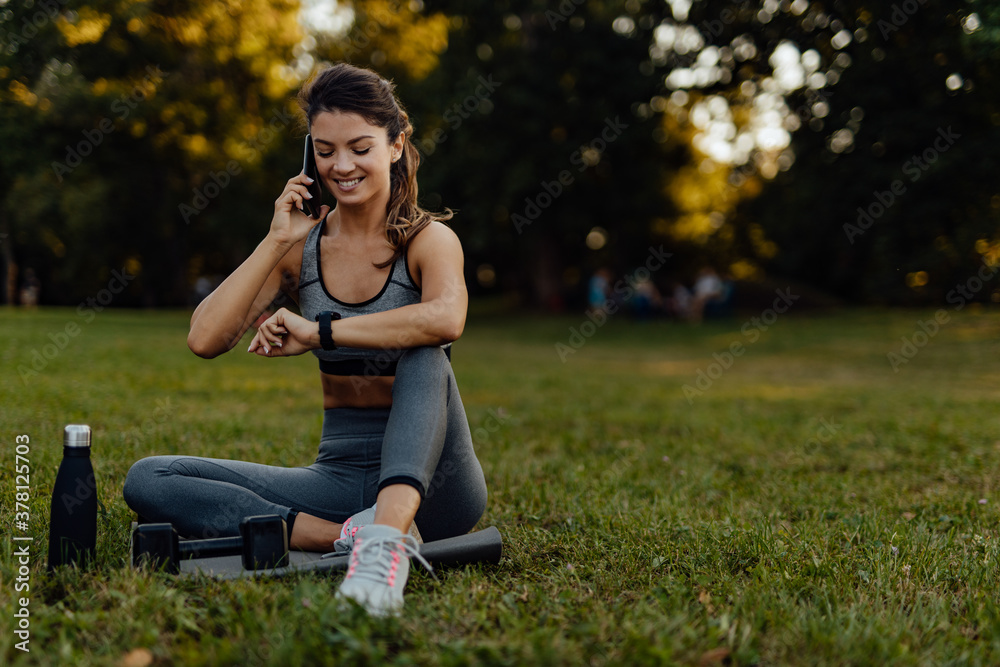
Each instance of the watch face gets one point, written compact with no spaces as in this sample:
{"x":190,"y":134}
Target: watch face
{"x":325,"y":331}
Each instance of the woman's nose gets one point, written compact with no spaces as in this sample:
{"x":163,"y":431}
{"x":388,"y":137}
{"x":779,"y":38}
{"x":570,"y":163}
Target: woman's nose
{"x":343,"y":165}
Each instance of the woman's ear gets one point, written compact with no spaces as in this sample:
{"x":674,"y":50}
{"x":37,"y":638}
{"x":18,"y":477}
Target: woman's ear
{"x":397,"y":146}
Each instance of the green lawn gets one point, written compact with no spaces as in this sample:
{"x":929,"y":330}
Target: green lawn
{"x":811,"y":506}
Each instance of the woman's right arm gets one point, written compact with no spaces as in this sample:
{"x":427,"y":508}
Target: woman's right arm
{"x":221,"y":319}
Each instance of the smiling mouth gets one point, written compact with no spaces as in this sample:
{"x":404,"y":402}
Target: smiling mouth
{"x":351,"y":183}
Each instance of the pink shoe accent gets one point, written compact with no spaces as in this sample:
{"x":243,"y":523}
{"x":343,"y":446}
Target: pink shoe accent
{"x":354,"y":563}
{"x":379,"y":568}
{"x":392,"y":570}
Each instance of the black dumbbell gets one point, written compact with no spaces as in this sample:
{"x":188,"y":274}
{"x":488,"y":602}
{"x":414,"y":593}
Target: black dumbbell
{"x":263,"y":543}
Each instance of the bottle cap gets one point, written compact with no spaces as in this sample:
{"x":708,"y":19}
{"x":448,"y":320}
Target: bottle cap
{"x":76,"y":435}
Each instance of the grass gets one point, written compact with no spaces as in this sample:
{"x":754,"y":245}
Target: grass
{"x":811,"y":506}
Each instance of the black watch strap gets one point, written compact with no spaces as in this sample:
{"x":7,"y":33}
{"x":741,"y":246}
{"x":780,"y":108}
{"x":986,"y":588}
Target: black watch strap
{"x":326,"y":330}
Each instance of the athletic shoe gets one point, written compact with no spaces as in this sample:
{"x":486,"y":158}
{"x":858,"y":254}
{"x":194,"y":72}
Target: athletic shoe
{"x":379,"y":567}
{"x":343,"y":545}
{"x":350,"y":529}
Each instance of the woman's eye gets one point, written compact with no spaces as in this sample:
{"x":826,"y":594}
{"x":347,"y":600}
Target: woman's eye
{"x":363,"y":151}
{"x":324,"y":154}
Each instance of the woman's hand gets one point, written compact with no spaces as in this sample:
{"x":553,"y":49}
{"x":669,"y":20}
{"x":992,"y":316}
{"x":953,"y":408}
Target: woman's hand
{"x":285,"y":334}
{"x":289,"y":224}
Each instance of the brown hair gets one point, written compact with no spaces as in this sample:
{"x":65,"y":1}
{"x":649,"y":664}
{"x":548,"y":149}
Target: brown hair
{"x":351,"y":89}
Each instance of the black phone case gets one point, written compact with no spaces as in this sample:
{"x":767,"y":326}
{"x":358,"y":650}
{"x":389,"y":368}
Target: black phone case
{"x":314,"y":205}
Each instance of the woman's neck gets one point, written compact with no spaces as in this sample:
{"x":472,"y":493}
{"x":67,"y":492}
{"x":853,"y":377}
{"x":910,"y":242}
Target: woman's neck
{"x":364,"y":221}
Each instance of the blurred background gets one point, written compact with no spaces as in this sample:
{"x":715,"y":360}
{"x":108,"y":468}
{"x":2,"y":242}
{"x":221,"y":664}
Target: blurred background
{"x":846,"y":147}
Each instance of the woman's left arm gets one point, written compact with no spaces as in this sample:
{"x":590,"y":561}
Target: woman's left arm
{"x":438,"y":264}
{"x":436,"y":261}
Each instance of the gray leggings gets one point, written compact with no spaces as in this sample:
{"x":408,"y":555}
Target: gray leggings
{"x":422,"y":440}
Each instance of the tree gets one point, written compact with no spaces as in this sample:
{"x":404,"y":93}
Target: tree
{"x":127,"y":125}
{"x":535,"y":125}
{"x":890,"y":198}
{"x":908,"y":209}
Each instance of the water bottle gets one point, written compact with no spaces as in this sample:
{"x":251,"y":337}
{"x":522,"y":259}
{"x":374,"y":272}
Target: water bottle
{"x":73,"y":524}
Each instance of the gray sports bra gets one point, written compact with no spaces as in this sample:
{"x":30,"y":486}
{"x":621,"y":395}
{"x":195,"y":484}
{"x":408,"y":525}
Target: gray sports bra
{"x":399,"y":290}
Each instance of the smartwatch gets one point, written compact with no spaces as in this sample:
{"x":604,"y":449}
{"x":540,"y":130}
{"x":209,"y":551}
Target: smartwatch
{"x":325,"y":330}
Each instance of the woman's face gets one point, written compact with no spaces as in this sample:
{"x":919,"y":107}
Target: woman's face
{"x":353,"y":157}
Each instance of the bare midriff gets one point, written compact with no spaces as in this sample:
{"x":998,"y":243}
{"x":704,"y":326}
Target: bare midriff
{"x":351,"y":391}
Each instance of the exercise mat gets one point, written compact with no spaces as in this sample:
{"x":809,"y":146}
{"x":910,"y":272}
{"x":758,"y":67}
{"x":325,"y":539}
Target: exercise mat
{"x":482,"y":546}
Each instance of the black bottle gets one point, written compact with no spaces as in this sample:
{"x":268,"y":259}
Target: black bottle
{"x":73,"y":524}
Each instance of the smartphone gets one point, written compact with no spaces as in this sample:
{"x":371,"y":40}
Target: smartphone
{"x":312,"y":206}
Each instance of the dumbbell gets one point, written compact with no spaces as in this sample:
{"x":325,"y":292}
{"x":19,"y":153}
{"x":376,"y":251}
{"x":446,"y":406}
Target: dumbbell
{"x":263,"y":543}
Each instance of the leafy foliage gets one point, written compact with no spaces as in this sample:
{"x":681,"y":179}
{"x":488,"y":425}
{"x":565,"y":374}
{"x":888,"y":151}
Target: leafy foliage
{"x":891,"y":198}
{"x":117,"y":115}
{"x":151,"y":137}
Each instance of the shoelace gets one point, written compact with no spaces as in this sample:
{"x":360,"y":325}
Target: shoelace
{"x":342,"y":545}
{"x":371,"y":550}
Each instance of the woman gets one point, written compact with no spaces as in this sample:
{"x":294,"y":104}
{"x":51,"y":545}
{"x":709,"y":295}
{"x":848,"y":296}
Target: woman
{"x":380,"y":286}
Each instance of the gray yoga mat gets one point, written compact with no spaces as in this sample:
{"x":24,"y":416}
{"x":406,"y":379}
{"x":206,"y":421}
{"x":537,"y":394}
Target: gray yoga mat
{"x":482,"y":546}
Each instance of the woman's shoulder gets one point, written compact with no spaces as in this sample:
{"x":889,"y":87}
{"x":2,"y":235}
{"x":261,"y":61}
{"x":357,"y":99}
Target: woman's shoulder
{"x":436,"y":245}
{"x":434,"y":238}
